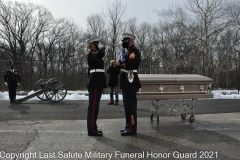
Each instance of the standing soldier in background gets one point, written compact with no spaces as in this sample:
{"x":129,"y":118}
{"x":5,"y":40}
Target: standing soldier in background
{"x":129,"y":82}
{"x":96,"y":83}
{"x":12,"y":80}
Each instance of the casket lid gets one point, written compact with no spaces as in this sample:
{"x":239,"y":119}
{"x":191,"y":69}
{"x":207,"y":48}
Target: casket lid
{"x":169,"y":78}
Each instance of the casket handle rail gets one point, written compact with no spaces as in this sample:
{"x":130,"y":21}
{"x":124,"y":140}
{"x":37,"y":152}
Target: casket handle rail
{"x":182,"y":88}
{"x":173,"y":93}
{"x":201,"y":88}
{"x":139,"y":90}
{"x":210,"y":88}
{"x":161,"y":88}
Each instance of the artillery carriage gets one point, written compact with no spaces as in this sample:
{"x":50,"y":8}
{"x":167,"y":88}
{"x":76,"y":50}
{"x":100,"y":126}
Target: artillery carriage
{"x":47,"y":90}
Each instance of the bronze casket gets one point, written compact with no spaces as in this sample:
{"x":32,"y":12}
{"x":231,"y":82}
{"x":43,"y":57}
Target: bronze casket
{"x":174,"y":86}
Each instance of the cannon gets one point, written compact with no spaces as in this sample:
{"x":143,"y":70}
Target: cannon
{"x":47,"y":90}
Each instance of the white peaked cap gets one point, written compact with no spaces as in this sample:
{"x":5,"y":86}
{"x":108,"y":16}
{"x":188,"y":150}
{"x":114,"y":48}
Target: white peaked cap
{"x":128,"y":35}
{"x":93,"y":39}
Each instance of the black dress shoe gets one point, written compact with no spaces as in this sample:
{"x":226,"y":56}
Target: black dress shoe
{"x":122,"y":130}
{"x":100,"y":132}
{"x":126,"y":133}
{"x":96,"y":134}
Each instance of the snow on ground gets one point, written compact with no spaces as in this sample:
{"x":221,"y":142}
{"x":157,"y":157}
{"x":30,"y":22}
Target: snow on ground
{"x":82,"y":95}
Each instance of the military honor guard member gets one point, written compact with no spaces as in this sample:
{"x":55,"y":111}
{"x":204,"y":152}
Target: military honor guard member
{"x":12,"y":80}
{"x":129,"y":82}
{"x":96,"y":83}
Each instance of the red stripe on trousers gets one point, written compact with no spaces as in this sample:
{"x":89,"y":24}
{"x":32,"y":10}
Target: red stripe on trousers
{"x":130,"y":122}
{"x":93,"y":110}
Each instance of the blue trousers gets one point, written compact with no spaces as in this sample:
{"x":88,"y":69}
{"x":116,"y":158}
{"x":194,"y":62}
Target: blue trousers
{"x":93,"y":109}
{"x":130,"y":107}
{"x":116,"y":93}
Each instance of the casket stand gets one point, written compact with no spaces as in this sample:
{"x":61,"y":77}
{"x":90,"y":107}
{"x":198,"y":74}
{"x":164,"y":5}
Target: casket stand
{"x":158,"y":87}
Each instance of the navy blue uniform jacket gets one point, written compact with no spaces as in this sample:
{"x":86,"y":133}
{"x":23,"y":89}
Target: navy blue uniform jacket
{"x":12,"y":78}
{"x":95,"y":61}
{"x":132,"y":62}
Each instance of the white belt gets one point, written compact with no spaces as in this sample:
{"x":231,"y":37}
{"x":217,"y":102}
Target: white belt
{"x":97,"y":70}
{"x":124,"y":70}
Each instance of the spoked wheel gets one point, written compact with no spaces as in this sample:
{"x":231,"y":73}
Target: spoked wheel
{"x":183,"y":116}
{"x":192,"y":118}
{"x":39,"y":85}
{"x":55,"y":90}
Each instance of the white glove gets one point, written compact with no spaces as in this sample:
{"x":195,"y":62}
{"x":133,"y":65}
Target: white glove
{"x":100,"y":45}
{"x":6,"y":84}
{"x":18,"y":84}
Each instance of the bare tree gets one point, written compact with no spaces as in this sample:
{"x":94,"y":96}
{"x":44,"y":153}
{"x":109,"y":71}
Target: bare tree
{"x":114,"y":15}
{"x":144,"y":37}
{"x":209,"y":19}
{"x":131,"y":25}
{"x":67,"y":58}
{"x":96,"y":24}
{"x":48,"y":44}
{"x":20,"y":27}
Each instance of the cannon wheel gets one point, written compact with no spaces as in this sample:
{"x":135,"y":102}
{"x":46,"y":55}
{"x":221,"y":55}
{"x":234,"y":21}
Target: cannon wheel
{"x":42,"y":96}
{"x":54,"y":90}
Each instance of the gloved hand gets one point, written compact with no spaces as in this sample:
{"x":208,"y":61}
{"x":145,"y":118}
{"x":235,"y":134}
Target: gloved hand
{"x":122,"y":56}
{"x":6,"y":84}
{"x":100,"y":45}
{"x":18,"y":84}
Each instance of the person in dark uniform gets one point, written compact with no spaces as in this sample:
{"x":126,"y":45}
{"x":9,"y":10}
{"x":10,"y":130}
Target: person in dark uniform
{"x":12,"y":80}
{"x":113,"y":72}
{"x":129,"y":82}
{"x":96,"y":83}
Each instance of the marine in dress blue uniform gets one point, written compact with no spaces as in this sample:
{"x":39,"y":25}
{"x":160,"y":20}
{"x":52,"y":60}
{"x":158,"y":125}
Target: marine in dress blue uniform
{"x":12,"y":80}
{"x":129,"y":82}
{"x":96,"y":83}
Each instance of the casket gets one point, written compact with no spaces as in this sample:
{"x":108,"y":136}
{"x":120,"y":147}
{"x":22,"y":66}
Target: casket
{"x":174,"y":86}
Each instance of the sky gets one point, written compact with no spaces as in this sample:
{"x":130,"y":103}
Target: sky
{"x":77,"y":10}
{"x":80,"y":95}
